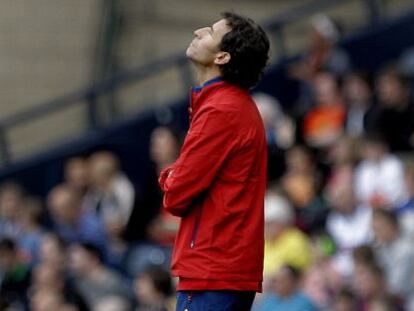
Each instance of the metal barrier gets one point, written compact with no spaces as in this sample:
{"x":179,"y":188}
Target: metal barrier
{"x":274,"y":27}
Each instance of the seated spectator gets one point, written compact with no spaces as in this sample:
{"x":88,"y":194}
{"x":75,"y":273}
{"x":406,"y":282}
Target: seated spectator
{"x":48,"y":277}
{"x":149,"y":221}
{"x":379,"y":177}
{"x":153,"y":290}
{"x":32,"y":231}
{"x":370,"y":286}
{"x":405,"y":210}
{"x":70,"y":221}
{"x":280,"y":133}
{"x":53,"y":250}
{"x":345,"y":300}
{"x":92,"y":278}
{"x":286,"y":294}
{"x":76,"y":174}
{"x":394,"y":252}
{"x":284,"y":244}
{"x":324,"y":123}
{"x":358,"y":97}
{"x":301,"y":183}
{"x":322,"y":55}
{"x":346,"y":217}
{"x":322,"y":280}
{"x":111,"y":194}
{"x":15,"y":275}
{"x":11,"y":200}
{"x":393,"y":116}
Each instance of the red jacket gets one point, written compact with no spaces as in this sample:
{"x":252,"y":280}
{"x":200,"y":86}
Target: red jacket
{"x":217,"y":187}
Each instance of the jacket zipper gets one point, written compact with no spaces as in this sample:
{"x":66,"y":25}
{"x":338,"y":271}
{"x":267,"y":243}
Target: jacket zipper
{"x":195,"y":228}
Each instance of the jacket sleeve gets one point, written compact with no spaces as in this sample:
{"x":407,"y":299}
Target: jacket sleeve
{"x":208,"y":143}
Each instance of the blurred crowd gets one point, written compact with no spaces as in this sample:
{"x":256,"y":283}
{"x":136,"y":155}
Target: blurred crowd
{"x":339,"y":208}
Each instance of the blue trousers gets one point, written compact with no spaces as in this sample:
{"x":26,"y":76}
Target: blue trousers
{"x":214,"y":300}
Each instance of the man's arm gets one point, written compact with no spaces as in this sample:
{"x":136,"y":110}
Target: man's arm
{"x":207,"y":145}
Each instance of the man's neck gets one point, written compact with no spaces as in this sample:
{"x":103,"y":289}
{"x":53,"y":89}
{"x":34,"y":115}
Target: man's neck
{"x":205,"y":74}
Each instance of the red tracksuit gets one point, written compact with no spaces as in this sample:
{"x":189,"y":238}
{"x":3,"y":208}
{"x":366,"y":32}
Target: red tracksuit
{"x":217,"y":187}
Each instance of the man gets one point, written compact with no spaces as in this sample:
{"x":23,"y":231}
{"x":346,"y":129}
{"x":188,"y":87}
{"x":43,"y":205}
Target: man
{"x":217,"y":184}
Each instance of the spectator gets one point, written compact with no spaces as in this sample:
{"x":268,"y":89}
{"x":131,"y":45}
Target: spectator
{"x":111,"y":194}
{"x":379,"y":177}
{"x":31,"y":230}
{"x":349,"y":223}
{"x":92,"y":278}
{"x":153,"y":290}
{"x":11,"y":200}
{"x":53,"y":250}
{"x":393,"y":116}
{"x":324,"y":123}
{"x":76,"y":174}
{"x":70,"y":221}
{"x":358,"y":97}
{"x":345,"y":300}
{"x":48,"y":277}
{"x":370,"y":286}
{"x":405,"y":210}
{"x":321,"y":55}
{"x":395,"y":253}
{"x":322,"y":279}
{"x":280,"y":133}
{"x":284,"y":244}
{"x":14,"y":275}
{"x":301,"y":182}
{"x":286,"y":293}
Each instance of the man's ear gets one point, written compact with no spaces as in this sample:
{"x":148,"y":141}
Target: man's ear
{"x":222,"y":58}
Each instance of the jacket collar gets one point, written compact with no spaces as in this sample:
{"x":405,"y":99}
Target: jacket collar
{"x":207,"y":83}
{"x":200,"y":93}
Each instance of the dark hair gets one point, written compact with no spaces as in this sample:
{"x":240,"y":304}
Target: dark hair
{"x":393,"y":71}
{"x":92,"y":250}
{"x":248,"y":47}
{"x":7,"y":245}
{"x":388,"y":215}
{"x":364,"y":254}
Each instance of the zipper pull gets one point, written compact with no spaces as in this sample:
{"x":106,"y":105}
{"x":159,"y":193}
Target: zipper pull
{"x":192,"y":244}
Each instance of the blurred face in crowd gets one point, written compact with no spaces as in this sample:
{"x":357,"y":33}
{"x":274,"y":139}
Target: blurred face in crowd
{"x":51,"y":251}
{"x":391,"y":91}
{"x":356,"y":90}
{"x":285,"y":284}
{"x":47,"y":276}
{"x":373,"y":150}
{"x":342,"y":198}
{"x":368,"y":283}
{"x":8,"y":260}
{"x":76,"y":173}
{"x":274,"y":228}
{"x":81,"y":261}
{"x":103,"y":168}
{"x":46,"y":300}
{"x":384,"y":230}
{"x":204,"y":48}
{"x":64,"y":205}
{"x":10,"y":202}
{"x":298,"y":160}
{"x":342,"y":151}
{"x":326,"y":89}
{"x":164,"y":147}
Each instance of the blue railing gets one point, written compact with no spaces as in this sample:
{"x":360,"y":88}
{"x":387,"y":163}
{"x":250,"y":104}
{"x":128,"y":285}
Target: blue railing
{"x":90,"y":94}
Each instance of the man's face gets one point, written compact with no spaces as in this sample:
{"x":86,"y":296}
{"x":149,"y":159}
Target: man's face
{"x":204,"y":49}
